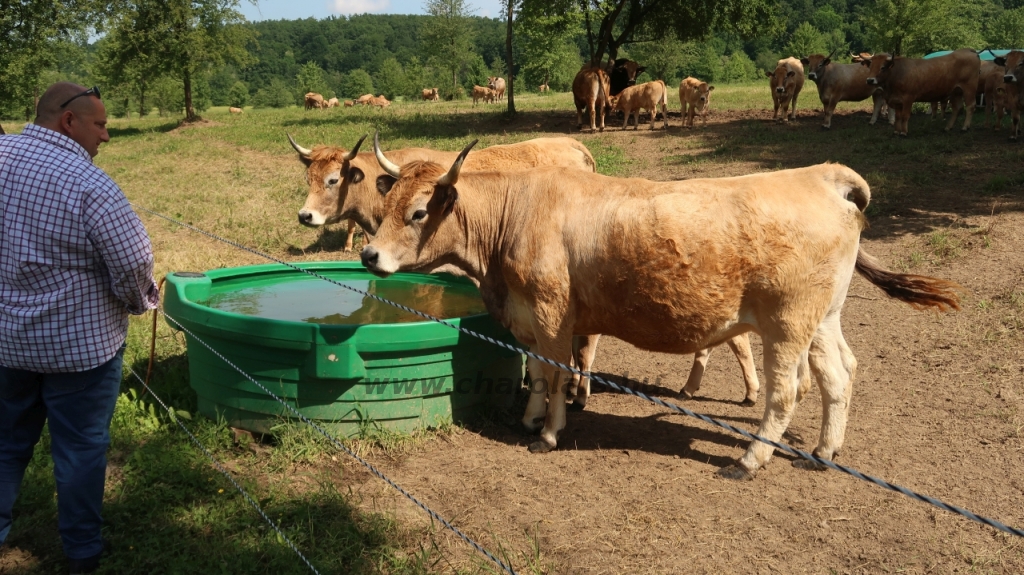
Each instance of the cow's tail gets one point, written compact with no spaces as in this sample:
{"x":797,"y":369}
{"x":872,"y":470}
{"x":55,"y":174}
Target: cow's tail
{"x":921,"y":292}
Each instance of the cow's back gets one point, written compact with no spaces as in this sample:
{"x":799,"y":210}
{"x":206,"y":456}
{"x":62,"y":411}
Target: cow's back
{"x":563,"y":151}
{"x":590,"y":83}
{"x":846,"y":82}
{"x":934,"y":79}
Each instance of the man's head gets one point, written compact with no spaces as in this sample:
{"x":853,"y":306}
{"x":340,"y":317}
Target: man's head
{"x":63,"y":108}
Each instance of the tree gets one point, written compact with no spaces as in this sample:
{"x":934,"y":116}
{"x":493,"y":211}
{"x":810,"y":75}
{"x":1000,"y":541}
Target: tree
{"x":1007,"y":30}
{"x":356,"y":83}
{"x":806,"y":40}
{"x":391,"y":80}
{"x":915,"y":27}
{"x":238,"y":95}
{"x":663,"y":58}
{"x":311,"y":79}
{"x":447,"y":36}
{"x":179,"y":37}
{"x":546,"y":36}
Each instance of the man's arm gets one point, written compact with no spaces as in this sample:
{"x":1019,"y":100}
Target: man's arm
{"x":118,"y":234}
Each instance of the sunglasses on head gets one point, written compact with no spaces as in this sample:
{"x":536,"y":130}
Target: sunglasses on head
{"x":93,"y":90}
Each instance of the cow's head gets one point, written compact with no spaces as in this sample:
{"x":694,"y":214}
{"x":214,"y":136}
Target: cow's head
{"x":624,"y":73}
{"x":816,"y":65}
{"x":1013,"y":63}
{"x":329,"y":173}
{"x":783,"y":80}
{"x":414,"y":234}
{"x":879,"y":67}
{"x":703,"y":93}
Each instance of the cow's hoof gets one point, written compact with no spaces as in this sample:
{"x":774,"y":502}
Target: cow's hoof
{"x":809,"y":465}
{"x":574,"y":406}
{"x":535,"y":426}
{"x":541,"y":447}
{"x":747,"y":402}
{"x":826,"y":127}
{"x":735,"y":472}
{"x":684,"y":395}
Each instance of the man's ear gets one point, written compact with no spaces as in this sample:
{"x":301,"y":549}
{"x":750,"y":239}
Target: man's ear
{"x":385,"y":183}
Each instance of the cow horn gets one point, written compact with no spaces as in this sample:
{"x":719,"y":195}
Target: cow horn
{"x":452,"y":176}
{"x":387,"y":165}
{"x":830,"y":54}
{"x":351,"y":155}
{"x":304,"y":152}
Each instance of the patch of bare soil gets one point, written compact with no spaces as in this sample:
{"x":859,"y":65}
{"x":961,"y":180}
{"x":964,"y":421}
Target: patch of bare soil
{"x":937,"y":407}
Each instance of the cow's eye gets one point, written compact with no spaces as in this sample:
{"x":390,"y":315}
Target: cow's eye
{"x":419,"y":215}
{"x":332,"y":182}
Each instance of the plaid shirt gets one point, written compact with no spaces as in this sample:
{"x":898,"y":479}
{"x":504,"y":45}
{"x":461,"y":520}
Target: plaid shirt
{"x":75,"y":260}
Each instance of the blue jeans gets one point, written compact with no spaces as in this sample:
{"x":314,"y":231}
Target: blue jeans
{"x":79,"y":407}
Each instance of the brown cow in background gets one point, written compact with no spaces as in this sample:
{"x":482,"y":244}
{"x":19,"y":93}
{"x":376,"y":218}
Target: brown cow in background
{"x":314,"y":100}
{"x":1012,"y":96}
{"x":430,"y":94}
{"x":649,"y":96}
{"x":695,"y":98}
{"x":497,"y":84}
{"x":786,"y":82}
{"x":590,"y":91}
{"x":841,"y":83}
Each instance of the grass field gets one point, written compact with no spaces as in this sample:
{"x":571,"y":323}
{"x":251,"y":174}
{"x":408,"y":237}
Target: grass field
{"x":169,"y":511}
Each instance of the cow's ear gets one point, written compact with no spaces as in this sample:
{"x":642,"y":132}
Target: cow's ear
{"x":640,"y":70}
{"x":768,"y":74}
{"x":805,"y":61}
{"x":790,"y":73}
{"x":826,"y":61}
{"x":385,"y":183}
{"x":1000,"y":61}
{"x":355,"y":175}
{"x":888,"y":64}
{"x":711,"y":88}
{"x":444,"y":199}
{"x":865,"y":63}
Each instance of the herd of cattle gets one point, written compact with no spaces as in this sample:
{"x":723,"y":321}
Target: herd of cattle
{"x":539,"y":232}
{"x":314,"y":101}
{"x":895,"y":83}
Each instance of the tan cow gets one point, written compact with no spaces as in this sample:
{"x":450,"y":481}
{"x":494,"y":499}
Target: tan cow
{"x":841,"y":83}
{"x":482,"y":93}
{"x":364,"y":99}
{"x":695,"y":98}
{"x":1012,"y":95}
{"x":497,"y":84}
{"x":907,"y":80}
{"x":430,"y":94}
{"x":543,"y":87}
{"x":708,"y":259}
{"x":650,"y":96}
{"x":314,"y":100}
{"x":379,"y":101}
{"x":786,"y":82}
{"x":235,"y":110}
{"x":349,"y":103}
{"x":591,"y":90}
{"x":332,"y":103}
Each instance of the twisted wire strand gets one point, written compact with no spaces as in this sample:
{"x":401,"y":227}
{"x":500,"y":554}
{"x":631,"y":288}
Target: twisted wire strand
{"x":623,"y":389}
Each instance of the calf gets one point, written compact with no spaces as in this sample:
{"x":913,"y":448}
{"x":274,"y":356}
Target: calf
{"x":786,"y":82}
{"x":430,"y":94}
{"x":234,"y":110}
{"x":379,"y":101}
{"x":482,"y":93}
{"x":590,"y":92}
{"x":313,"y":100}
{"x":907,"y":80}
{"x":364,"y":99}
{"x":709,"y":259}
{"x":1012,"y":97}
{"x":649,"y":96}
{"x":332,"y":103}
{"x":543,"y":87}
{"x":695,"y":98}
{"x":840,"y":83}
{"x":497,"y":85}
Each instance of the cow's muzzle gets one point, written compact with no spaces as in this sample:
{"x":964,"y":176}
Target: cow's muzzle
{"x":702,"y":98}
{"x":306,"y":218}
{"x":872,"y":81}
{"x":780,"y":90}
{"x":1009,"y":78}
{"x":812,"y":76}
{"x":371,"y":258}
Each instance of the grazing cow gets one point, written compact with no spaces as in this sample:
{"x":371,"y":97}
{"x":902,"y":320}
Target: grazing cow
{"x":590,"y":92}
{"x":1012,"y":96}
{"x":786,"y":82}
{"x":379,"y":101}
{"x":840,"y":83}
{"x":364,"y":99}
{"x":349,"y":103}
{"x":907,"y":80}
{"x":430,"y":94}
{"x":708,"y":259}
{"x":695,"y":98}
{"x":314,"y":100}
{"x":235,"y":110}
{"x":332,"y":103}
{"x":544,"y":87}
{"x":497,"y":84}
{"x":623,"y":74}
{"x":482,"y":93}
{"x":649,"y":96}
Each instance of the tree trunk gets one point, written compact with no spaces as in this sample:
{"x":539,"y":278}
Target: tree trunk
{"x":2,"y":132}
{"x":190,"y":113}
{"x":142,"y":100}
{"x":508,"y":58}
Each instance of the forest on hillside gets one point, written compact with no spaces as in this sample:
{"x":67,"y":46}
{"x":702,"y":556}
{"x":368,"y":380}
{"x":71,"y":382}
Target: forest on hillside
{"x":225,"y":60}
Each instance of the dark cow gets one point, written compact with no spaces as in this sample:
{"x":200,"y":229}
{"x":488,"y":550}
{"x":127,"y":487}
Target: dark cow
{"x":623,"y":75}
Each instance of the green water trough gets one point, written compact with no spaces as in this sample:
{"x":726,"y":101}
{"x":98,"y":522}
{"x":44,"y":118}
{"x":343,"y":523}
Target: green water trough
{"x":347,"y":361}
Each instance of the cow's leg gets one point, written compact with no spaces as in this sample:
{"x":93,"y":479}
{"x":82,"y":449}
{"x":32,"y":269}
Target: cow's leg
{"x":968,"y":99}
{"x":958,"y":99}
{"x":830,"y":108}
{"x":700,"y":364}
{"x":777,"y":103}
{"x":740,"y":346}
{"x":536,"y":405}
{"x":579,"y":118}
{"x":878,"y":102}
{"x":781,"y":365}
{"x":792,"y":109}
{"x":803,"y":378}
{"x":1015,"y":123}
{"x":350,"y":236}
{"x":834,"y":366}
{"x":584,"y":352}
{"x":997,"y":112}
{"x":560,"y":349}
{"x":592,"y":109}
{"x":636,"y":119}
{"x":625,"y":117}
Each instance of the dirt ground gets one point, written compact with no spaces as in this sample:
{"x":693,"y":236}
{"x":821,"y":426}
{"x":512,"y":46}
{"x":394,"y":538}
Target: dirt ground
{"x":936,"y":408}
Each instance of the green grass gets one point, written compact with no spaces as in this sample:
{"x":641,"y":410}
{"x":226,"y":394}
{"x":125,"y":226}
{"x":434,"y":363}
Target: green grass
{"x":169,"y":511}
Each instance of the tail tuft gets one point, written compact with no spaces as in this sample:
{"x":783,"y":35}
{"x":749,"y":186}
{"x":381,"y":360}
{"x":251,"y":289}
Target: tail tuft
{"x":921,"y":292}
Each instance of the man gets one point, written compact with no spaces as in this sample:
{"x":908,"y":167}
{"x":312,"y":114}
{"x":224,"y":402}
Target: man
{"x":75,"y":261}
